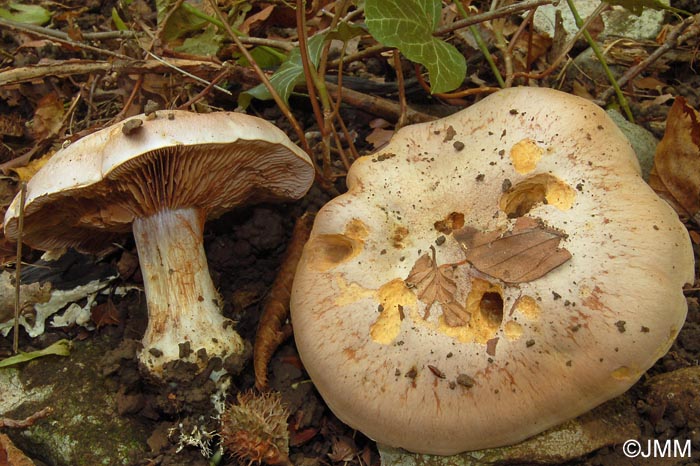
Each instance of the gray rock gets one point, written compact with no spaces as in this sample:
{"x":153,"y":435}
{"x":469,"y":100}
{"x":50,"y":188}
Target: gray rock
{"x":618,"y":21}
{"x":84,"y":428}
{"x":609,"y":424}
{"x":643,"y":142}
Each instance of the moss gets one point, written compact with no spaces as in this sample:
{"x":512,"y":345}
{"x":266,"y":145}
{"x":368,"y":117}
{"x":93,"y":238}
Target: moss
{"x":85,"y":428}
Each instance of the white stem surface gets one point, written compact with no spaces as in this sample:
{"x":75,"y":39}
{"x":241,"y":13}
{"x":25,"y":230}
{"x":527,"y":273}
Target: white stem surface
{"x":183,"y":305}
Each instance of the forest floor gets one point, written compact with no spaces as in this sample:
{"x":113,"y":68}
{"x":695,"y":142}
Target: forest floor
{"x":90,"y":64}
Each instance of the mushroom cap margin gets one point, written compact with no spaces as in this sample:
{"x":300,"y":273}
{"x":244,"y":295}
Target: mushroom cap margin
{"x":603,"y":318}
{"x":80,"y":169}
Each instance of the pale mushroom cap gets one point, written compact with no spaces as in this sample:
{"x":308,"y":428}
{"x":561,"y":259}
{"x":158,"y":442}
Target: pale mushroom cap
{"x":579,"y":335}
{"x":88,"y":193}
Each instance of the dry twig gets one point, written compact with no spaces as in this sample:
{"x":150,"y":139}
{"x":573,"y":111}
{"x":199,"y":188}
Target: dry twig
{"x":675,"y":37}
{"x":28,"y":422}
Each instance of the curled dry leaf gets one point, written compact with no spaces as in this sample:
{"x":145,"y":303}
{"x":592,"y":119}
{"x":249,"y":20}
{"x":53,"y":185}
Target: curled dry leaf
{"x":273,"y":329}
{"x":434,"y":283}
{"x":527,"y":252}
{"x":676,"y":172}
{"x":48,"y":116}
{"x":105,"y":314}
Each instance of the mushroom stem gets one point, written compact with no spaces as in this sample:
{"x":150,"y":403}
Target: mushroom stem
{"x":184,"y":315}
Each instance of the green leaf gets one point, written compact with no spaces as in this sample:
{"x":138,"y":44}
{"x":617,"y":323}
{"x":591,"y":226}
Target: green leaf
{"x":205,"y":44}
{"x":345,"y":32}
{"x":289,"y":75}
{"x":637,"y":6}
{"x":60,"y":348}
{"x":409,"y":25}
{"x":118,"y":21}
{"x":265,"y":57}
{"x":180,"y":22}
{"x":27,"y":14}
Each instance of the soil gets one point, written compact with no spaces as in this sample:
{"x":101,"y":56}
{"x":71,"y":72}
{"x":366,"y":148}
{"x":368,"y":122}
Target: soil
{"x":244,"y":249}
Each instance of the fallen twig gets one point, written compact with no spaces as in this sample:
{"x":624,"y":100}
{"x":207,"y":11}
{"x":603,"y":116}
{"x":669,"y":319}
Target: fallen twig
{"x":57,"y":36}
{"x":32,"y":28}
{"x":494,"y":14}
{"x":281,"y":104}
{"x":673,"y":38}
{"x":621,"y":99}
{"x":18,"y":267}
{"x":28,"y":422}
{"x":385,"y":108}
{"x":127,"y":66}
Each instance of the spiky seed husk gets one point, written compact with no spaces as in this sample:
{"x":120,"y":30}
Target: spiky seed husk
{"x":255,"y":429}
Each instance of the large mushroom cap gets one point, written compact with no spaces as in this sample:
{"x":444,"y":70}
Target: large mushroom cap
{"x":160,"y":178}
{"x":89,"y":193}
{"x":415,"y":334}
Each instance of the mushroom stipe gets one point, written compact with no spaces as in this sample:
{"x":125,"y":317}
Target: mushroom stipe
{"x":161,"y":177}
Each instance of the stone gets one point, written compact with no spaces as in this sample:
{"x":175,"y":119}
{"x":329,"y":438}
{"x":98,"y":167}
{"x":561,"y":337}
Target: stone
{"x":609,"y":424}
{"x":85,"y":428}
{"x":643,"y":141}
{"x":618,"y":21}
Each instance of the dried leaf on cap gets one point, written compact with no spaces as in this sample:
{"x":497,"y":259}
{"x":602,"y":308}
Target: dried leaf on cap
{"x":527,"y":252}
{"x":434,"y":283}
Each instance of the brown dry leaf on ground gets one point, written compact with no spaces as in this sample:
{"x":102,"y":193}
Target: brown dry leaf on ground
{"x":527,"y":252}
{"x":11,"y":455}
{"x":272,"y":328}
{"x":48,"y":116}
{"x":26,"y":172}
{"x":105,"y":314}
{"x":676,"y":172}
{"x":435,"y":283}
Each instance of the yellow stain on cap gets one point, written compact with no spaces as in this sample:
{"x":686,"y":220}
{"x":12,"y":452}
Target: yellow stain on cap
{"x":356,"y":229}
{"x":330,"y":250}
{"x":395,"y":299}
{"x":623,"y":373}
{"x":349,"y":293}
{"x":528,"y":307}
{"x":525,"y":155}
{"x":513,"y":330}
{"x":537,"y":189}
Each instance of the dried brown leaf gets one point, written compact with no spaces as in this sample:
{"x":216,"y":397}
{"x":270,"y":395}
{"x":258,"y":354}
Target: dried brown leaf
{"x":527,"y":252}
{"x":433,"y":283}
{"x":676,"y":172}
{"x":256,"y":19}
{"x":379,"y":137}
{"x":105,"y":314}
{"x":272,"y":328}
{"x":343,"y":449}
{"x":48,"y":116}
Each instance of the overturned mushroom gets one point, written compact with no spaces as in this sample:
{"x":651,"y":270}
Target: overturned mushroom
{"x":489,"y":275}
{"x":163,"y":178}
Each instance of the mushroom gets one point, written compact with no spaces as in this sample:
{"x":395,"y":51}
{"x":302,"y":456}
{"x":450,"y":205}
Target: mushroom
{"x":162,"y":178}
{"x":489,"y":275}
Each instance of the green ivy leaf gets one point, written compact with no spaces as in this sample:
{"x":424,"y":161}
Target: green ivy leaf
{"x":345,"y":32}
{"x":289,"y":75}
{"x":637,"y":6}
{"x":26,"y":14}
{"x":265,"y":57}
{"x":409,"y":25}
